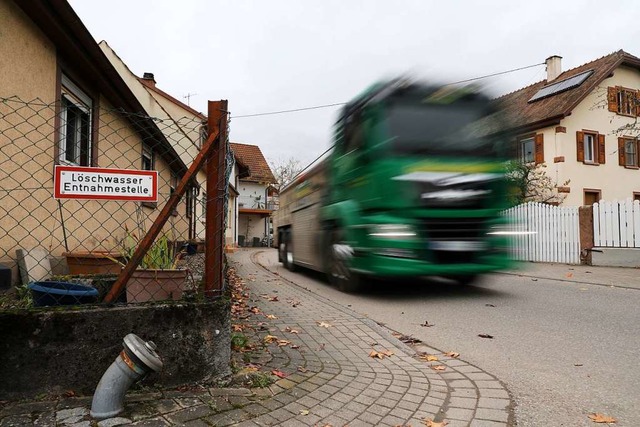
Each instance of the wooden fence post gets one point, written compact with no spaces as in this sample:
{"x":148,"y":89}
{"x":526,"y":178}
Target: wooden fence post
{"x":585,"y":218}
{"x":216,"y":191}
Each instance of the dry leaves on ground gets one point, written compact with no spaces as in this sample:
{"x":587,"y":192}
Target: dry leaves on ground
{"x":270,"y":338}
{"x":302,"y":369}
{"x":438,"y":367}
{"x":602,"y":419}
{"x":452,"y":354}
{"x":291,"y":330}
{"x":282,"y":343}
{"x":485,"y":336}
{"x":271,"y":316}
{"x":324,"y":324}
{"x":278,"y":373}
{"x":430,"y":423}
{"x":380,"y":354}
{"x":304,"y":412}
{"x":428,"y":357}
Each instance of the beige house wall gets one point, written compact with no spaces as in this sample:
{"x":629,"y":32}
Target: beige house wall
{"x":180,"y":126}
{"x":30,"y":215}
{"x":615,"y":182}
{"x":28,"y":62}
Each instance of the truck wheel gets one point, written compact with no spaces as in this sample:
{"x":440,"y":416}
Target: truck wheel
{"x":340,"y":255}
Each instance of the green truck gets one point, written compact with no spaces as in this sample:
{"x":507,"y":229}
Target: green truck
{"x":413,"y":186}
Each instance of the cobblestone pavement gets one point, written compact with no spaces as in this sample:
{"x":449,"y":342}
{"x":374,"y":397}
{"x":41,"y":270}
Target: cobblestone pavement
{"x":324,"y":353}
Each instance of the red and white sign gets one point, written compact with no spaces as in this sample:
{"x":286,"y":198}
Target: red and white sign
{"x":79,"y":182}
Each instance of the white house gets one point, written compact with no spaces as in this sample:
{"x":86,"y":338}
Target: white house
{"x":582,"y":123}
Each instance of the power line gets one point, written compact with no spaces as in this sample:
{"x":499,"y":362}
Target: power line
{"x":290,"y":111}
{"x":316,"y":107}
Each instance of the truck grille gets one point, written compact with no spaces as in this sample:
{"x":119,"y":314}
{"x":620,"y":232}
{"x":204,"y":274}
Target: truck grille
{"x":453,"y":230}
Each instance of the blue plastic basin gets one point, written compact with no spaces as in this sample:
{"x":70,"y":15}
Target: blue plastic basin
{"x":62,"y":293}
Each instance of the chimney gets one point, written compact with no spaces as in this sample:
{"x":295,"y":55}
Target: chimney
{"x":148,"y":79}
{"x":554,"y":67}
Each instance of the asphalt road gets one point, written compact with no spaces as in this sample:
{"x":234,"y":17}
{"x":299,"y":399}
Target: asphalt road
{"x":564,"y":349}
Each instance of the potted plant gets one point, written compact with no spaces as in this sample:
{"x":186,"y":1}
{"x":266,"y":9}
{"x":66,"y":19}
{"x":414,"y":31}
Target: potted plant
{"x":93,"y":262}
{"x":158,"y":276}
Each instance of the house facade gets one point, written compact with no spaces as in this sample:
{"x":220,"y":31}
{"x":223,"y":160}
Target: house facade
{"x":256,"y":195}
{"x":183,"y":127}
{"x":582,"y":125}
{"x":63,"y":103}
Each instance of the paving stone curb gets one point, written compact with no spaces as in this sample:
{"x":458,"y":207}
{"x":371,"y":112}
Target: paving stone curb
{"x":330,"y":377}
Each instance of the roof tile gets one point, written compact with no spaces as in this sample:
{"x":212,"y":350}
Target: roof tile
{"x":251,"y":156}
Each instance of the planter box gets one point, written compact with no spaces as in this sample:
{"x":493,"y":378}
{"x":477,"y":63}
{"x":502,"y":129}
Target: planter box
{"x":156,"y":285}
{"x":95,"y":262}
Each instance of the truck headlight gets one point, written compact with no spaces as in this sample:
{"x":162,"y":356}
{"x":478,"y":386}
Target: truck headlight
{"x":392,"y":231}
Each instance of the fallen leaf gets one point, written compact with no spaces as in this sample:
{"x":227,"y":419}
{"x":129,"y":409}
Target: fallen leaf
{"x":452,"y":354}
{"x":273,"y":298}
{"x":69,"y":393}
{"x":295,"y":346}
{"x":578,"y":364}
{"x":304,"y":412}
{"x":380,"y":354}
{"x":489,"y":305}
{"x":569,"y":275}
{"x":429,"y":357}
{"x":291,"y":331}
{"x":282,"y":343}
{"x":302,"y":369}
{"x":255,"y":310}
{"x":426,"y":324}
{"x":324,"y":324}
{"x":271,"y":316}
{"x":534,"y":280}
{"x":430,"y":423}
{"x":270,"y":338}
{"x":602,"y":419}
{"x":485,"y":336}
{"x":321,"y":347}
{"x":238,"y":328}
{"x":278,"y":373}
{"x":438,"y":367}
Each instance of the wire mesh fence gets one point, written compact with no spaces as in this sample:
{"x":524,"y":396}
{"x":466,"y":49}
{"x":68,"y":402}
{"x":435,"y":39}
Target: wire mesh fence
{"x":71,"y":249}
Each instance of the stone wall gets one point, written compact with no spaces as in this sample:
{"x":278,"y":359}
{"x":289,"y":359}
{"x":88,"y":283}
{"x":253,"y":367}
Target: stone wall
{"x":55,"y":351}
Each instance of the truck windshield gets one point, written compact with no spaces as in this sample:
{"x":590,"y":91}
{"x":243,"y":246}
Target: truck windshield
{"x":441,"y":129}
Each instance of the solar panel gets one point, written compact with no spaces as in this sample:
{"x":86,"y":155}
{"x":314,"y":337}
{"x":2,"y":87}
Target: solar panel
{"x":561,"y":86}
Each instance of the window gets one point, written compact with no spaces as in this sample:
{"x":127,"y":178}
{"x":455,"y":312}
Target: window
{"x":591,"y":196}
{"x":624,"y":101}
{"x":636,"y":196}
{"x":75,"y":125}
{"x":148,"y":165}
{"x":147,"y":158}
{"x":590,"y":147}
{"x":531,"y":148}
{"x":527,"y":147}
{"x":628,"y":149}
{"x":588,"y":142}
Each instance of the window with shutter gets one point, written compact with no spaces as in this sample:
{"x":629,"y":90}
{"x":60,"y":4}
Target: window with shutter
{"x":623,"y":101}
{"x":628,"y":152}
{"x":590,"y":147}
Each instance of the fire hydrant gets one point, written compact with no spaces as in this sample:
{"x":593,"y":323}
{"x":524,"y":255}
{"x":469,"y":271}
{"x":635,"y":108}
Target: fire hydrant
{"x":136,"y":360}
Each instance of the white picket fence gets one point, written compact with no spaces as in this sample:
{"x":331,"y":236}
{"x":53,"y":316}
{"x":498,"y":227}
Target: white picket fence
{"x":616,"y":224}
{"x":545,"y":233}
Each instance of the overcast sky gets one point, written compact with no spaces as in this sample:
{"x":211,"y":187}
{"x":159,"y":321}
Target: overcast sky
{"x":265,"y":56}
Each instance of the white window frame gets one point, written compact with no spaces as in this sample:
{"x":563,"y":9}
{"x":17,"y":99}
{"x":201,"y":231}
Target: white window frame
{"x":523,"y":153}
{"x":148,"y":153}
{"x":631,"y":154}
{"x":79,"y":99}
{"x":590,"y":147}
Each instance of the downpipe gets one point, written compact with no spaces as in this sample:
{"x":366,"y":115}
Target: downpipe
{"x":137,"y":359}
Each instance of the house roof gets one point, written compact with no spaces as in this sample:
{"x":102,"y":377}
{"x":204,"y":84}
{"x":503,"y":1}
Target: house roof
{"x":524,"y":116}
{"x":150,"y":84}
{"x":251,"y":156}
{"x":75,"y":45}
